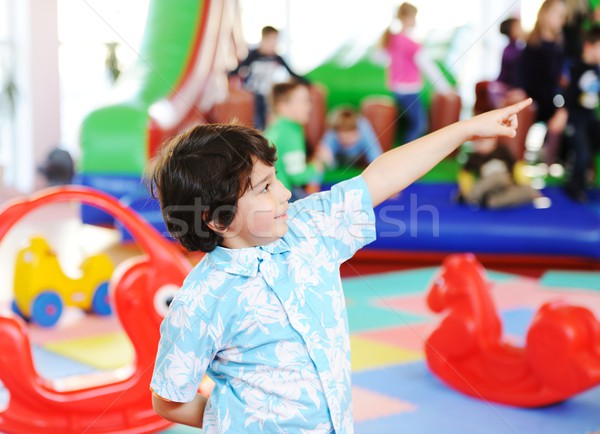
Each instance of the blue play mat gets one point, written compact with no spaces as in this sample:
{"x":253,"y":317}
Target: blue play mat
{"x":426,"y":218}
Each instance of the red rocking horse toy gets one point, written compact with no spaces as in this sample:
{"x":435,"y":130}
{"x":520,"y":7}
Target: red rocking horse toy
{"x":561,"y":356}
{"x":140,"y":290}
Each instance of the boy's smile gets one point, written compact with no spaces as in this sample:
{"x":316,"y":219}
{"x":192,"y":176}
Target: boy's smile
{"x":261,"y":215}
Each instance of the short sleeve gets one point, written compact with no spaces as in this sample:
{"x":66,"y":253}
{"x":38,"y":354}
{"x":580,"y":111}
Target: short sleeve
{"x":185,"y":349}
{"x":342,"y":219}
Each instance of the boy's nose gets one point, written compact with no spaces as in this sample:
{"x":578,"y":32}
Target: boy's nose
{"x":285,"y":194}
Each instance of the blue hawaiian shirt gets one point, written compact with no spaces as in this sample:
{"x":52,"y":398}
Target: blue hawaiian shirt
{"x":268,"y":324}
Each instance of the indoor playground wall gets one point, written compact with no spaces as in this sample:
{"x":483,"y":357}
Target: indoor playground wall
{"x":180,"y":73}
{"x":114,"y":138}
{"x":187,"y":47}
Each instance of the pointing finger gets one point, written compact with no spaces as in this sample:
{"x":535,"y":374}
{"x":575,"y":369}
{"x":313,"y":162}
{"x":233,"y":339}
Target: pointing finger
{"x":517,"y":107}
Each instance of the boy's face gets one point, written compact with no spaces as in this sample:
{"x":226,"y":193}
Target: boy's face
{"x":348,"y":138}
{"x":297,"y":106}
{"x":261,"y":212}
{"x":268,"y":44}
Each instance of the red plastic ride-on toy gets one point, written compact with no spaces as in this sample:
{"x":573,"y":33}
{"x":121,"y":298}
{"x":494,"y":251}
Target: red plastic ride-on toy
{"x":140,"y":290}
{"x":560,"y":359}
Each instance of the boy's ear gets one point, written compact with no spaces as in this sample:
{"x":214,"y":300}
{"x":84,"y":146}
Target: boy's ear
{"x":212,"y":225}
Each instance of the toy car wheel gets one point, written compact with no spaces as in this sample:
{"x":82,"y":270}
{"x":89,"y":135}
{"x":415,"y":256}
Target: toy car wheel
{"x":15,"y":309}
{"x":100,"y":300}
{"x":47,"y":308}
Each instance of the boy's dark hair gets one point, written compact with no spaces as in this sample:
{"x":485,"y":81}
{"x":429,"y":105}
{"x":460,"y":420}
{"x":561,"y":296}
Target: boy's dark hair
{"x":592,"y":35}
{"x":506,"y":26}
{"x":281,"y":91}
{"x":268,"y":30}
{"x":198,"y":177}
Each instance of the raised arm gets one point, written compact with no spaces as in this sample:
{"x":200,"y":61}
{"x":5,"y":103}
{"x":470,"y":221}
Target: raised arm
{"x":393,"y":171}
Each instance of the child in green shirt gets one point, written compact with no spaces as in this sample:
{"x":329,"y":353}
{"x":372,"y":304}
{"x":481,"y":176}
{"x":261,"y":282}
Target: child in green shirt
{"x":291,"y":107}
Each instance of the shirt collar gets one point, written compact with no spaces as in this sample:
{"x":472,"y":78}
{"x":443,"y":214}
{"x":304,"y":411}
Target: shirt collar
{"x":244,"y":262}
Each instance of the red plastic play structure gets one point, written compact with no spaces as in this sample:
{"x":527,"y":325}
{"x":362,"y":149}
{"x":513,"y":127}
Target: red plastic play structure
{"x":561,"y":356}
{"x":140,"y":289}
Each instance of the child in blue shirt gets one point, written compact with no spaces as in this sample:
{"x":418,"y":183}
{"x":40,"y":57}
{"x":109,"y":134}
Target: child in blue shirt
{"x":263,"y":314}
{"x":350,"y":140}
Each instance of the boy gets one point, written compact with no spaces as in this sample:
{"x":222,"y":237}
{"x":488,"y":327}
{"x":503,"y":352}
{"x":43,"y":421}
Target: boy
{"x":291,"y":105}
{"x":261,"y":69}
{"x":583,"y":131}
{"x":263,"y":313}
{"x":350,"y":140}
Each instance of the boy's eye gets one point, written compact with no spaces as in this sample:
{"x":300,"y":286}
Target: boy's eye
{"x":264,"y":190}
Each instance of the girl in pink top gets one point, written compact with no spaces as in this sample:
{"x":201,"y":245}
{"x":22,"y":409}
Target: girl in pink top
{"x":407,"y":61}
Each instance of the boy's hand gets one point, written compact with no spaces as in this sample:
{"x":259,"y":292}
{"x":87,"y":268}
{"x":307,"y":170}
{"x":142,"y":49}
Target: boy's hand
{"x":399,"y":167}
{"x":496,"y":123}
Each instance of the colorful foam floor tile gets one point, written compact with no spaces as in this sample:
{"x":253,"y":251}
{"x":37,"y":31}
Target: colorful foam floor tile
{"x":410,"y":337}
{"x":384,"y":340}
{"x":367,"y":317}
{"x":103,"y":352}
{"x":370,"y":405}
{"x":588,"y":280}
{"x":367,"y":298}
{"x":530,"y":292}
{"x":51,"y":366}
{"x":441,"y":409}
{"x":76,"y":325}
{"x":4,"y":396}
{"x":516,"y":322}
{"x":370,"y":354}
{"x":393,"y":390}
{"x":182,"y":429}
{"x":385,"y":285}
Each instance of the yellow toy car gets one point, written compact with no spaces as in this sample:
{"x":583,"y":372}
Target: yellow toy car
{"x":41,"y":288}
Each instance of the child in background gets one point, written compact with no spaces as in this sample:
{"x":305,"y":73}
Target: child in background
{"x":580,"y":14}
{"x":510,"y":68}
{"x":263,"y":313}
{"x":261,"y":69}
{"x":487,"y":179}
{"x":407,"y":61}
{"x":583,"y":132}
{"x":542,"y":62}
{"x":350,"y":140}
{"x":291,"y":108}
